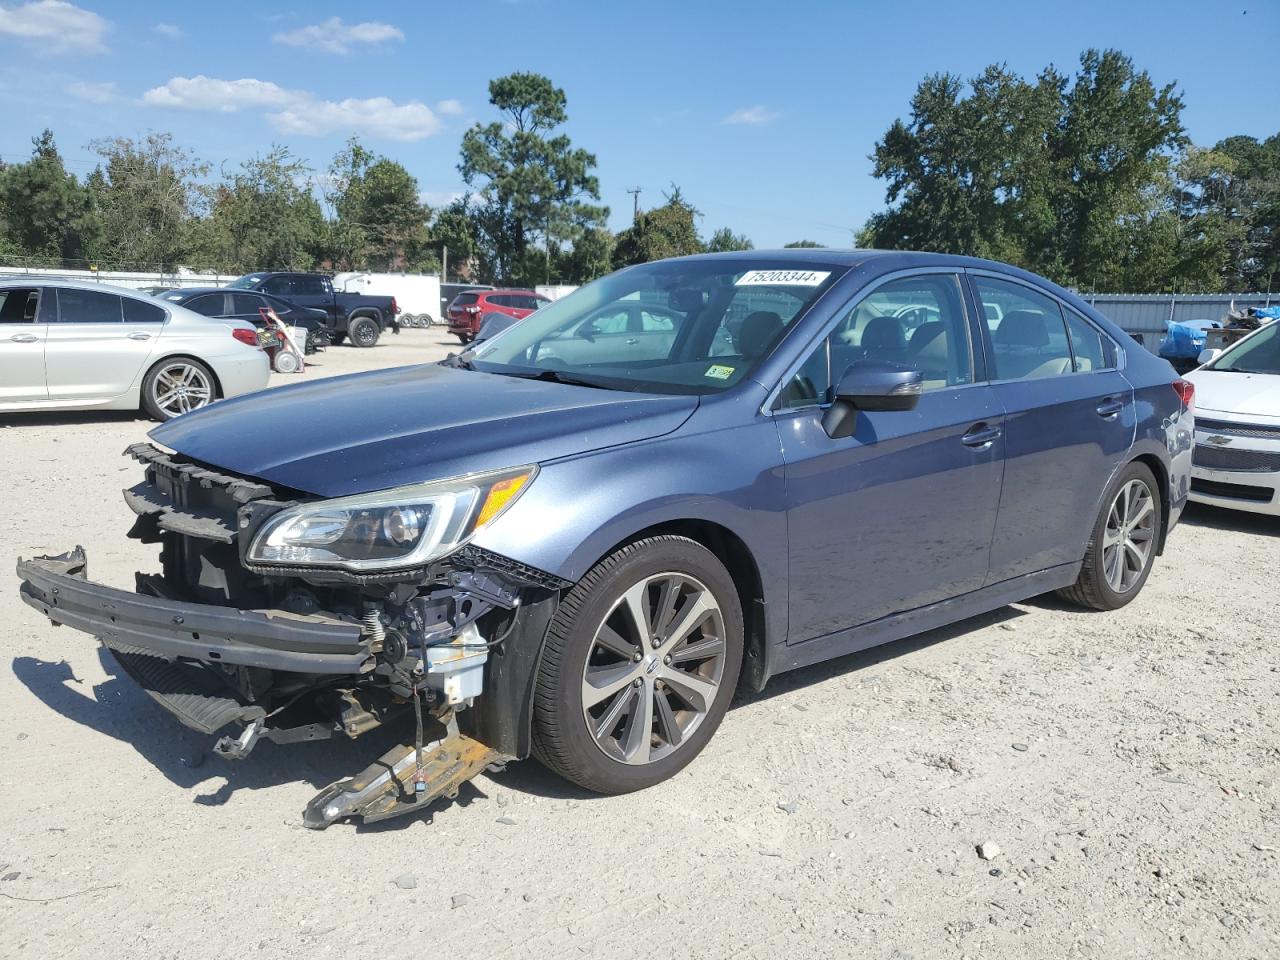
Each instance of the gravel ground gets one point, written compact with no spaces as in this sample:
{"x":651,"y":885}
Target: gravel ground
{"x":1120,"y":771}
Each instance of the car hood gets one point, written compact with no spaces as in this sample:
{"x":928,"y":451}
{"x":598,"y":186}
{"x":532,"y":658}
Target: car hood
{"x":1244,"y":394}
{"x":387,"y":428}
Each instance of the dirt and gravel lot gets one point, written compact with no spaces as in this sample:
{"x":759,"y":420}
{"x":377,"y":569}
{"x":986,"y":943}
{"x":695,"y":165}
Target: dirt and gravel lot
{"x":1127,"y":767}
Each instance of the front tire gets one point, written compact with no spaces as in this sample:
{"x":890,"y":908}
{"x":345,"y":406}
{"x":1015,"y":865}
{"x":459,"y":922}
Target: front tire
{"x":363,"y":332}
{"x":1122,"y":546}
{"x":640,"y":664}
{"x":176,"y":386}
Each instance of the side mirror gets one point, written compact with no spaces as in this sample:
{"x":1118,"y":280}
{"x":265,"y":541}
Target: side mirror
{"x":1208,"y":355}
{"x":871,"y":385}
{"x":585,"y":332}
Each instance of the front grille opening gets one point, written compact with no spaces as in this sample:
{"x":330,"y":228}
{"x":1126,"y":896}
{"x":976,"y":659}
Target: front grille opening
{"x":1229,"y":458}
{"x":1233,"y":491}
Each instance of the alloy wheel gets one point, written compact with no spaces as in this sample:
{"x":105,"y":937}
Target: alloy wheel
{"x":654,"y":668}
{"x":1129,"y":536}
{"x":180,"y":388}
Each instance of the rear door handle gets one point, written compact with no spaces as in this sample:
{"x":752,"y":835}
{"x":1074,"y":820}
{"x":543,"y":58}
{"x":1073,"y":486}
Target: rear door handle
{"x":632,"y":341}
{"x":139,"y":335}
{"x":1109,"y":407}
{"x":24,"y":338}
{"x":981,"y":436}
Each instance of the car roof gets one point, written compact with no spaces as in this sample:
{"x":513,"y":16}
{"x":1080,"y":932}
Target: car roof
{"x":50,"y":281}
{"x":168,"y":294}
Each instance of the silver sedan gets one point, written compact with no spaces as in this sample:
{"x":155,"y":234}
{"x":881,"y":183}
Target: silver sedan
{"x":68,"y":345}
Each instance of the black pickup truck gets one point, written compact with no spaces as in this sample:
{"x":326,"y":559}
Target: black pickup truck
{"x":354,"y":315}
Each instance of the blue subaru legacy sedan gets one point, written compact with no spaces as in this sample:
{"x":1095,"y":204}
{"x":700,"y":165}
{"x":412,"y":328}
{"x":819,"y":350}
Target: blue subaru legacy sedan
{"x":579,"y":538}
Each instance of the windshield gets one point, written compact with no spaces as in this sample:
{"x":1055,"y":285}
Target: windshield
{"x":247,"y":282}
{"x":684,"y":326}
{"x":1259,"y":353}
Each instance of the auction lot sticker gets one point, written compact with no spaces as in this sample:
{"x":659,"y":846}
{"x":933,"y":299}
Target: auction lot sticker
{"x":792,"y":278}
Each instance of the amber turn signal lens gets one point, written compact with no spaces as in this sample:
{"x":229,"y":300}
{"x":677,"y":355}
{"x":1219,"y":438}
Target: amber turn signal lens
{"x":500,"y":494}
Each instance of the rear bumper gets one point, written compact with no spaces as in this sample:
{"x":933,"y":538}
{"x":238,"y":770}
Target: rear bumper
{"x":274,"y":640}
{"x":242,"y":374}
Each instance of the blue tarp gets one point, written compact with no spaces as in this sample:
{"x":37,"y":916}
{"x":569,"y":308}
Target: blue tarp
{"x":1268,"y":313}
{"x":1184,"y":341}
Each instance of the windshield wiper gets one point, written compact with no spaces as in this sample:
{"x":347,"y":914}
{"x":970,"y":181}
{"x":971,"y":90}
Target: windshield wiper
{"x":555,"y":376}
{"x":455,"y":360}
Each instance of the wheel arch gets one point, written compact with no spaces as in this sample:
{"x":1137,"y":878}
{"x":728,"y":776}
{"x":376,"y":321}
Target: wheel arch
{"x":1161,"y":473}
{"x":731,"y":550}
{"x":372,"y":313}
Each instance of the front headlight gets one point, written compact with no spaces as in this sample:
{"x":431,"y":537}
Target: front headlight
{"x":400,"y":528}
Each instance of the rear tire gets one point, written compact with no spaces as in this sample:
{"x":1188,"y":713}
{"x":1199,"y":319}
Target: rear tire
{"x":639,"y":667}
{"x":363,"y":332}
{"x":1122,"y":546}
{"x":463,"y":338}
{"x":175,"y":386}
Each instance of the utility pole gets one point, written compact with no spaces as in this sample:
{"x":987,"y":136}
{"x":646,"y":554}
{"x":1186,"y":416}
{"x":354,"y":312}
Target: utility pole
{"x":444,"y":268}
{"x":635,"y":203}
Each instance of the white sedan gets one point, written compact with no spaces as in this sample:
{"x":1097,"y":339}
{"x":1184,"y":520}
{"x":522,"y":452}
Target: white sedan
{"x":1237,"y":455}
{"x":66,"y":345}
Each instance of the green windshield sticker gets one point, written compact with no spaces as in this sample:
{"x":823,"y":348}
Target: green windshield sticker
{"x":719,"y":372}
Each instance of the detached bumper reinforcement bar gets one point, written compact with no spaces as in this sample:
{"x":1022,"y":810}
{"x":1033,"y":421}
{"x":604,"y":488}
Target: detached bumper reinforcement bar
{"x":56,"y":586}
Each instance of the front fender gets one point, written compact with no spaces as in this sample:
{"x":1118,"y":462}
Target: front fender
{"x":581,"y":508}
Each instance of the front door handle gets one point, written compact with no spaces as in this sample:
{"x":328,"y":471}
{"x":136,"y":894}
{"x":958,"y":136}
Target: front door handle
{"x":632,"y":341}
{"x":24,"y":338}
{"x":981,"y":436}
{"x":1109,"y":407}
{"x":139,"y":335}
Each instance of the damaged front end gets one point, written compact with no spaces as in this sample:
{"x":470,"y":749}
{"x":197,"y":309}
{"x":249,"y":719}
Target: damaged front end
{"x":239,"y":631}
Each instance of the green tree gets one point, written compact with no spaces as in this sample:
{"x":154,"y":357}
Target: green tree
{"x":454,"y":228}
{"x":725,"y":240}
{"x":536,"y":184}
{"x":798,"y":244}
{"x":146,"y":194}
{"x":666,"y":231}
{"x":45,"y":212}
{"x":590,"y":256}
{"x":379,"y":221}
{"x":1069,"y":177}
{"x":263,"y":217}
{"x":1239,"y":181}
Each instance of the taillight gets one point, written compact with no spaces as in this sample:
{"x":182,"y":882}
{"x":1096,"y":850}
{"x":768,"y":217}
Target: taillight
{"x":395,"y":307}
{"x":471,"y":309}
{"x":247,"y":337}
{"x":1186,"y":391}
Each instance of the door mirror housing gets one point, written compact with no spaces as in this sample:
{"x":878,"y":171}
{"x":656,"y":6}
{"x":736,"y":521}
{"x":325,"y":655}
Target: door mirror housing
{"x":1208,"y":355}
{"x":871,"y":385}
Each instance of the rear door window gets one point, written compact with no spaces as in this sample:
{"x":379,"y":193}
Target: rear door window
{"x":88,"y":306}
{"x":308,"y":286}
{"x":209,"y":305}
{"x":280,"y":286}
{"x":139,"y":311}
{"x":247,"y":304}
{"x":1088,"y":346}
{"x":1029,"y":341}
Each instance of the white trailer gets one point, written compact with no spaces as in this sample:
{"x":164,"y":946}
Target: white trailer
{"x":555,"y":291}
{"x":417,"y":294}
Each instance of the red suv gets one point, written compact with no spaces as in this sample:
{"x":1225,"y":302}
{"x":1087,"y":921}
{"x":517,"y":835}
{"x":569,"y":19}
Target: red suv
{"x":468,"y":310}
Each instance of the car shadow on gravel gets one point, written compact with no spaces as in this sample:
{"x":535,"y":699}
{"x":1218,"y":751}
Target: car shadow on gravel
{"x":1237,"y":521}
{"x":850,"y":663}
{"x":63,"y":418}
{"x":120,"y":709}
